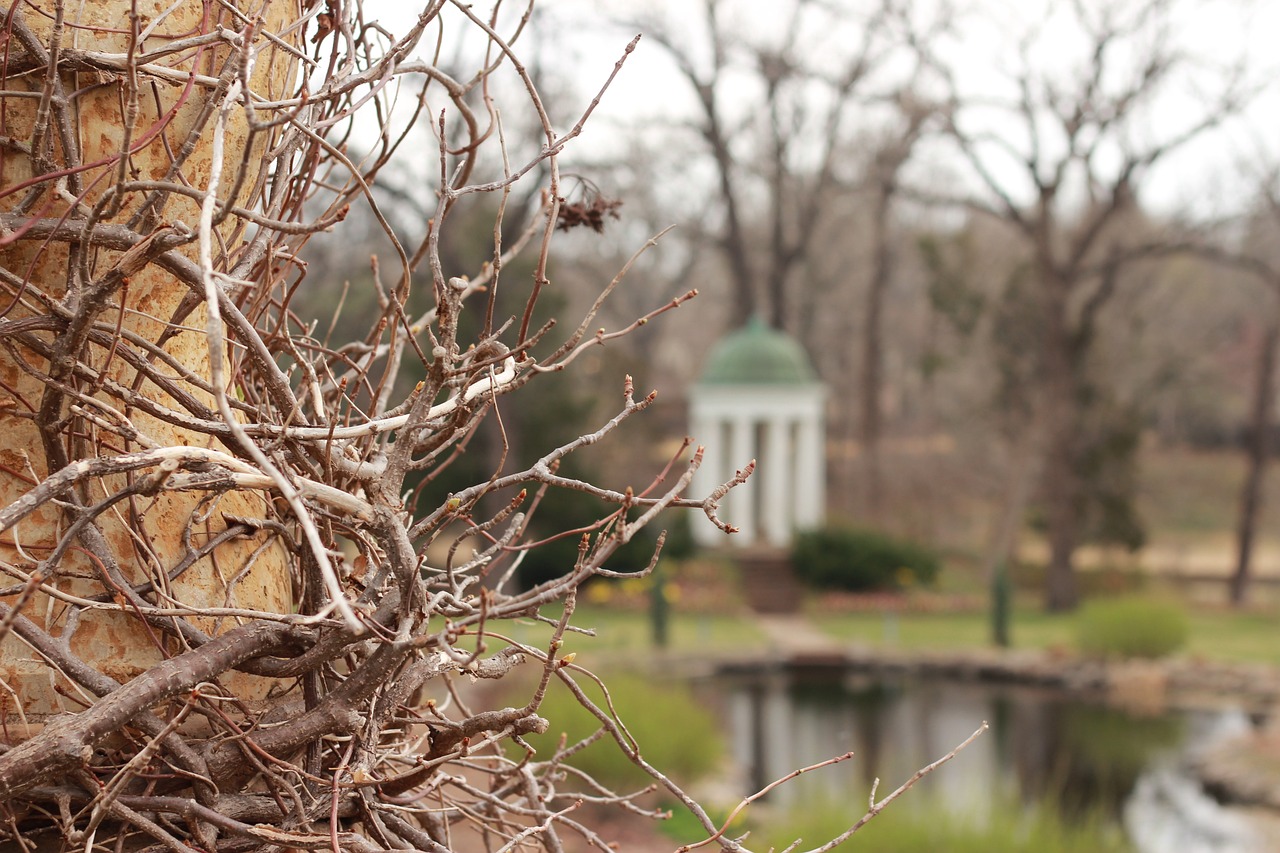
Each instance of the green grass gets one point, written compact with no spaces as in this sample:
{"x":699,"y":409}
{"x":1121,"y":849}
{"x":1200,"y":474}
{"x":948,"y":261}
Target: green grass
{"x":924,"y":631}
{"x":1220,"y":635}
{"x":920,"y":824}
{"x":673,"y":731}
{"x":628,"y":634}
{"x":1244,"y":637}
{"x":624,"y":637}
{"x":683,"y":828}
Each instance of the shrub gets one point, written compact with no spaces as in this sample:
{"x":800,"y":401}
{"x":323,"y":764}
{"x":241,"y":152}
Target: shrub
{"x":674,"y":732}
{"x":857,"y":560}
{"x":1132,"y":627}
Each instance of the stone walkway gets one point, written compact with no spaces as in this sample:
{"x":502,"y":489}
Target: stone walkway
{"x":794,"y":636}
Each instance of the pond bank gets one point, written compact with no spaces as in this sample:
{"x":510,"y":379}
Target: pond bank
{"x":1134,"y":685}
{"x":1240,"y":770}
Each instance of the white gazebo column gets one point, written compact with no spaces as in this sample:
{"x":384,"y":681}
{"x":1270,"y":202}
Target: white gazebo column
{"x":777,"y":467}
{"x":740,"y":500}
{"x":810,"y":482}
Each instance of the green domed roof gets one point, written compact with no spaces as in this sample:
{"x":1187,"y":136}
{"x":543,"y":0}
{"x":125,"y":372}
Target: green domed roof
{"x":758,"y":355}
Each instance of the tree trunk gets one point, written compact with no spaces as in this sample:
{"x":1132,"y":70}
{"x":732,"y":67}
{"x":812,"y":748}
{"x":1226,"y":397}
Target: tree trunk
{"x":1061,"y":481}
{"x":76,"y":292}
{"x":743,"y":300}
{"x":1258,"y":452}
{"x":1023,"y":465}
{"x":873,"y":354}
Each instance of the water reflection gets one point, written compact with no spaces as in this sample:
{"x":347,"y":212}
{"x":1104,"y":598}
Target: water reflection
{"x":1042,"y":748}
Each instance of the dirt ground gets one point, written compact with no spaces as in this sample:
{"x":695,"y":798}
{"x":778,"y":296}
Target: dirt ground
{"x":623,"y":831}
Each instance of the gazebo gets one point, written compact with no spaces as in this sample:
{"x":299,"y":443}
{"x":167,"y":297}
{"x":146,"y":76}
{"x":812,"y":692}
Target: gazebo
{"x":759,"y":398}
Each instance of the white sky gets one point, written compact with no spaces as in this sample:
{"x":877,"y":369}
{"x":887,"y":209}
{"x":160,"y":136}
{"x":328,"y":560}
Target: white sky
{"x":1203,"y":177}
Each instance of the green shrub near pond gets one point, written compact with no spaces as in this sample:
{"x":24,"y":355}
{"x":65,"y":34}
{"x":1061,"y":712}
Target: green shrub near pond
{"x":1132,"y":626}
{"x":857,"y":560}
{"x":675,"y":733}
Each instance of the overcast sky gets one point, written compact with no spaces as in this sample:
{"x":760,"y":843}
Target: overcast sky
{"x":577,"y":36}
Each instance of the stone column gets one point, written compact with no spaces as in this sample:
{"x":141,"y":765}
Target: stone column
{"x":810,"y":481}
{"x":778,"y":482}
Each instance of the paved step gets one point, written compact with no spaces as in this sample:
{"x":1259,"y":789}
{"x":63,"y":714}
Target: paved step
{"x":769,"y":583}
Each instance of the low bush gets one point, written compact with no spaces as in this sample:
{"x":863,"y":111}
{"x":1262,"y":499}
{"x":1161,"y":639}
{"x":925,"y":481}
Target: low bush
{"x":1132,"y":626}
{"x":860,"y":560}
{"x":674,"y":732}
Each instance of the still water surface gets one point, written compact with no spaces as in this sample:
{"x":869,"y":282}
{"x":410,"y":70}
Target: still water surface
{"x":1043,"y":747}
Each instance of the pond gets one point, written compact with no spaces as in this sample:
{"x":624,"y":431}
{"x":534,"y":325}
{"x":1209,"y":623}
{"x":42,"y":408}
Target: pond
{"x":1043,"y":747}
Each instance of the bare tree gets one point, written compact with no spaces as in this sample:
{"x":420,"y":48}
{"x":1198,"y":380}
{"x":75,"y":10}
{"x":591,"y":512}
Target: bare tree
{"x":778,"y":162}
{"x":1257,"y":258}
{"x":885,"y":179}
{"x":1063,"y":158}
{"x":1257,"y":453}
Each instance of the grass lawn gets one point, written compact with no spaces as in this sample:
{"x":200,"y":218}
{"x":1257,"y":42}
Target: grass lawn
{"x":1222,"y":635}
{"x":1031,"y":629}
{"x":1215,"y":634}
{"x":626,"y":633}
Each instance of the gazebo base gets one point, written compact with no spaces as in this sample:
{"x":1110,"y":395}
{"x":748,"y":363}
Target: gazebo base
{"x":769,"y":582}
